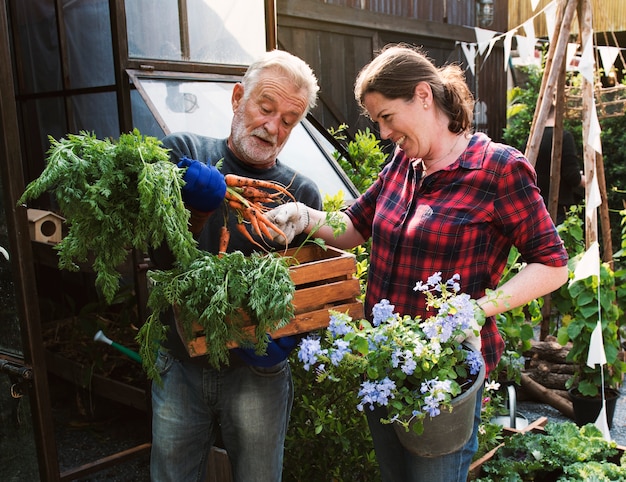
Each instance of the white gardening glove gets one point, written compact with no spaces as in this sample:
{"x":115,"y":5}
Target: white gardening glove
{"x":472,"y":336}
{"x":291,"y":218}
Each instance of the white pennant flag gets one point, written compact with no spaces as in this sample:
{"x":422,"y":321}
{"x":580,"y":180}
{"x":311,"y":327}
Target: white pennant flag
{"x":483,"y":36}
{"x":525,"y":49}
{"x":587,"y":61}
{"x":596,"y":355}
{"x":594,"y":199}
{"x":588,"y":264}
{"x":594,"y":139}
{"x":507,"y":48}
{"x":569,"y":55}
{"x":602,"y":423}
{"x":533,"y":4}
{"x":549,"y":14}
{"x":608,"y":55}
{"x":470,"y":54}
{"x":529,"y":28}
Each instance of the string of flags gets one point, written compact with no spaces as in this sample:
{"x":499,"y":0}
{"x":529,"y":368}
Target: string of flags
{"x":589,"y":263}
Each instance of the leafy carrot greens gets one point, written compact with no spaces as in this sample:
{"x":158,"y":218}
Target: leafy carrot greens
{"x":222,"y":294}
{"x":115,"y":196}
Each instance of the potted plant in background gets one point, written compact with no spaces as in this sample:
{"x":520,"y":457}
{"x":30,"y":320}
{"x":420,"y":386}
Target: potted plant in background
{"x":587,"y":304}
{"x":418,"y":369}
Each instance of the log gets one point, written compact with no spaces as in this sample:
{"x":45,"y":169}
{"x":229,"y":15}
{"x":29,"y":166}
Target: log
{"x":544,"y":395}
{"x":549,"y":350}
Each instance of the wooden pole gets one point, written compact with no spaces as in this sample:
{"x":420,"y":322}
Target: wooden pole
{"x":556,"y":51}
{"x":588,"y":103}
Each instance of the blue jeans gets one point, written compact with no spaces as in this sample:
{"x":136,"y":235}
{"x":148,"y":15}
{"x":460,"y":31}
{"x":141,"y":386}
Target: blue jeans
{"x":250,"y":405}
{"x":400,"y":465}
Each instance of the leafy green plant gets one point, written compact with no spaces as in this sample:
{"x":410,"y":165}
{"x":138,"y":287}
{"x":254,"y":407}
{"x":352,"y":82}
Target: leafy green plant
{"x":221,"y":293}
{"x":365,"y":157}
{"x":563,"y":453}
{"x":587,"y":303}
{"x":115,"y":196}
{"x":517,"y":327}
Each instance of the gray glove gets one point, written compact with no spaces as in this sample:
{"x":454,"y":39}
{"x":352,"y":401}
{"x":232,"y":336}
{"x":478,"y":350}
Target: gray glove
{"x":291,"y":218}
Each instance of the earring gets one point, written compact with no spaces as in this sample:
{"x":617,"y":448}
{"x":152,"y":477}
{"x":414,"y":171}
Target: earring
{"x":425,"y":105}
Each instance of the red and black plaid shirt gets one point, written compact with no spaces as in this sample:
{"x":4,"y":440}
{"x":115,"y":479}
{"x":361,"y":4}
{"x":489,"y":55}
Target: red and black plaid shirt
{"x":462,"y":219}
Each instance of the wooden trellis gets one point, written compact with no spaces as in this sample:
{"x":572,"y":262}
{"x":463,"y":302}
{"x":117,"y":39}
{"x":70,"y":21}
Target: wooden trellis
{"x":553,"y":85}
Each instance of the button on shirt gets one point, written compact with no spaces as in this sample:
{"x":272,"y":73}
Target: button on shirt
{"x":462,"y":220}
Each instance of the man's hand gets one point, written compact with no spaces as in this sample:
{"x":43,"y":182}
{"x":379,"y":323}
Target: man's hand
{"x":204,"y":188}
{"x":291,"y":218}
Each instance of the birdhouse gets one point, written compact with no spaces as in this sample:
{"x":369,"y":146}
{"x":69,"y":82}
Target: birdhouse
{"x":45,"y":226}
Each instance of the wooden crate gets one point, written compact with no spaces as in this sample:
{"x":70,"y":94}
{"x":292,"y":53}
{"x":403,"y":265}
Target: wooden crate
{"x":324,"y":280}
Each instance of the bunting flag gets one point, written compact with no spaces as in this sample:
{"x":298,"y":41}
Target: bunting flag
{"x":596,"y":355}
{"x":483,"y":39}
{"x":594,"y":199}
{"x":526,"y":49}
{"x":550,"y":16}
{"x":470,"y":54}
{"x":587,"y":61}
{"x":602,"y":422}
{"x":608,"y":54}
{"x":594,"y":139}
{"x":588,"y":264}
{"x":533,"y":4}
{"x":569,"y":55}
{"x":507,"y":48}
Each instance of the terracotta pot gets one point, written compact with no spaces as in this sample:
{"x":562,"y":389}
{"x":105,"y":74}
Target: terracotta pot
{"x":587,"y":409}
{"x":448,"y":431}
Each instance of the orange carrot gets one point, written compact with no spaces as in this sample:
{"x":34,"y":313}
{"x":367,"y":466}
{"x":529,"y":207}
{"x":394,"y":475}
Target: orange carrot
{"x":243,"y":230}
{"x":224,"y":240}
{"x":233,"y":180}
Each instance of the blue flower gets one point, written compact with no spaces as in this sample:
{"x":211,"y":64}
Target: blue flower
{"x":338,"y":326}
{"x":376,"y":393}
{"x":342,"y":347}
{"x":381,"y":312}
{"x":310,"y":350}
{"x":474,"y":361}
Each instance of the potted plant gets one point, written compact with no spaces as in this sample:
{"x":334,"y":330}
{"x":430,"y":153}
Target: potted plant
{"x":589,"y":303}
{"x":418,"y":369}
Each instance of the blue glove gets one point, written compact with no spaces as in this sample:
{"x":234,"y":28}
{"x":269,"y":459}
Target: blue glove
{"x":204,"y":188}
{"x":277,"y":351}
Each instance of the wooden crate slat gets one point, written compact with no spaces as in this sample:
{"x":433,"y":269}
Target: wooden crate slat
{"x":316,"y":297}
{"x":324,"y":280}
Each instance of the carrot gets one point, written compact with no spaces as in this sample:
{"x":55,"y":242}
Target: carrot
{"x":244,"y":231}
{"x":233,"y":180}
{"x":224,"y":240}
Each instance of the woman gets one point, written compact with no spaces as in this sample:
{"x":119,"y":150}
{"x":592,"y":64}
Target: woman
{"x":448,"y":201}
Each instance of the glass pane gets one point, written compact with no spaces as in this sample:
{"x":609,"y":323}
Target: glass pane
{"x":10,"y":341}
{"x":35,"y":28}
{"x":231,"y":32}
{"x":152,"y":27}
{"x":96,"y":113}
{"x":226,"y":32}
{"x":204,"y":107}
{"x":18,"y":456}
{"x":143,"y":119}
{"x":90,"y":50}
